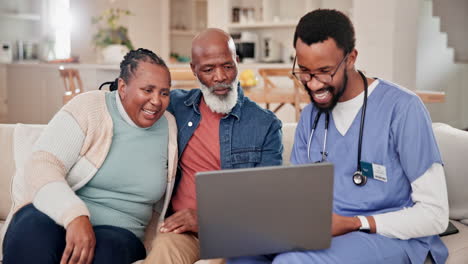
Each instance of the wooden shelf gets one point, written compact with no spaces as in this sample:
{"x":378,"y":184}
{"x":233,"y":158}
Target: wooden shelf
{"x":260,"y":25}
{"x":431,"y":96}
{"x":21,"y":16}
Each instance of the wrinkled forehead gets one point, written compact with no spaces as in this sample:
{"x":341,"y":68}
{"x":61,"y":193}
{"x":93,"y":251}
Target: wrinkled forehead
{"x":212,"y":48}
{"x":213,"y":43}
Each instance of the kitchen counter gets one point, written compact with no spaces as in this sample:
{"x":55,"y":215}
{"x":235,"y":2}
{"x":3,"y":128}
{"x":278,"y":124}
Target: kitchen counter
{"x":35,"y":90}
{"x":32,"y":92}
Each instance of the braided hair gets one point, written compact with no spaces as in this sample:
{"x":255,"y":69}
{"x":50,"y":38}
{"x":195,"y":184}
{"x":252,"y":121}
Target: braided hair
{"x":130,"y":63}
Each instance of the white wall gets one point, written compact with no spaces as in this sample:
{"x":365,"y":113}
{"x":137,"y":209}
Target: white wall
{"x":386,"y":39}
{"x":455,"y":20}
{"x":437,"y":71}
{"x":404,"y":45}
{"x":148,"y":28}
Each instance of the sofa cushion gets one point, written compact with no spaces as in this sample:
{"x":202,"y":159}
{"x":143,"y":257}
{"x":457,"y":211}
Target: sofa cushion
{"x":23,"y":139}
{"x":289,"y":130}
{"x":452,"y":144}
{"x":457,"y":244}
{"x":7,"y":168}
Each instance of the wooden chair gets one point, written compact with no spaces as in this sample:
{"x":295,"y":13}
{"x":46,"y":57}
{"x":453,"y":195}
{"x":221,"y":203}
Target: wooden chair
{"x":183,"y":78}
{"x":72,"y":82}
{"x":291,"y":92}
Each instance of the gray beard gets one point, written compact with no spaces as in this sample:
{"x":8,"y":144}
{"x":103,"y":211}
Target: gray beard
{"x":220,"y":104}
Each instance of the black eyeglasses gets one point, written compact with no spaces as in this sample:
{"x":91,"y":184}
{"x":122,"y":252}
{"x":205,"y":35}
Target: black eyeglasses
{"x":305,"y":77}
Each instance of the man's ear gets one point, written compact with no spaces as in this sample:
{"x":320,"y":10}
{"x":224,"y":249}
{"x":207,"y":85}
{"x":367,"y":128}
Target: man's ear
{"x":237,"y":59}
{"x":122,"y":88}
{"x":192,"y":66}
{"x":352,"y":59}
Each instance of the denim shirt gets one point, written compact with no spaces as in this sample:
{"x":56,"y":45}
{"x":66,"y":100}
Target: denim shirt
{"x":249,"y":135}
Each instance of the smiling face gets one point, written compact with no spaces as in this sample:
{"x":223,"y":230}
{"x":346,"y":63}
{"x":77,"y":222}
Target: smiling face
{"x":324,"y":58}
{"x":145,"y":96}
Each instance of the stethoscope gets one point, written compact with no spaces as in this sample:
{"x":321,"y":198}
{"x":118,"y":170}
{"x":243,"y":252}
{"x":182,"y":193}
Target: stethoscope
{"x":358,"y":178}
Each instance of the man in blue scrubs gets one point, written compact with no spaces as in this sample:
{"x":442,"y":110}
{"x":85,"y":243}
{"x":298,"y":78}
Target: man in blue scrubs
{"x":390,"y":197}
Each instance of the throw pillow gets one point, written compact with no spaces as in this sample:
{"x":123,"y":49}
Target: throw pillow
{"x":453,"y":144}
{"x":24,"y":138}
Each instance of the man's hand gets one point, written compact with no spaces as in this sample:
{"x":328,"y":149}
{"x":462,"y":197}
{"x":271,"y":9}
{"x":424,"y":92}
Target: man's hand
{"x":81,"y":241}
{"x":182,"y":221}
{"x":344,"y":224}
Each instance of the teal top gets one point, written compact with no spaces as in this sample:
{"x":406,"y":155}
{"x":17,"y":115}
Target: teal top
{"x":134,"y":175}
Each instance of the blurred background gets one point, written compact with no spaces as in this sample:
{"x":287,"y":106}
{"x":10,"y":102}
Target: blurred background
{"x":420,"y":44}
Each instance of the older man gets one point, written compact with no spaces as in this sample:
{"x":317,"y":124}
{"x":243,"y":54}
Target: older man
{"x":219,"y":128}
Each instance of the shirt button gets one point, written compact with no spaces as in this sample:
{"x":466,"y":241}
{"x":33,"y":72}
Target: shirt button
{"x":190,"y":124}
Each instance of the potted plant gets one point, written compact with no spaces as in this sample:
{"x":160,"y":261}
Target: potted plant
{"x":111,"y":37}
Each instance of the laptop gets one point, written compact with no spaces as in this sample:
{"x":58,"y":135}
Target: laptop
{"x":256,"y":211}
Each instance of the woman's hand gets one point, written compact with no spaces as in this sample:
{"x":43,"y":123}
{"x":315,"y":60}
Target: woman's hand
{"x":80,"y":241}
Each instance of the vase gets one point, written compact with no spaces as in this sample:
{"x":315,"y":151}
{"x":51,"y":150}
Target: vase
{"x":113,"y":54}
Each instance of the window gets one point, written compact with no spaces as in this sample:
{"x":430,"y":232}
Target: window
{"x":60,"y":22}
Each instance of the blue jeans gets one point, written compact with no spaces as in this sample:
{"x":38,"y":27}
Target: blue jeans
{"x":33,"y":237}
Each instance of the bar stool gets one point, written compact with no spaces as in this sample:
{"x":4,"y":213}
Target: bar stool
{"x":72,"y":83}
{"x":289,"y":93}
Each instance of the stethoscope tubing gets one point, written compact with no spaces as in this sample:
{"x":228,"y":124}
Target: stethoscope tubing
{"x":314,"y":126}
{"x":327,"y":119}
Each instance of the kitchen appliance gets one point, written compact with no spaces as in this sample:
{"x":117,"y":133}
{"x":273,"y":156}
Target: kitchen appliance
{"x":271,"y":50}
{"x":246,"y":46}
{"x":6,"y":53}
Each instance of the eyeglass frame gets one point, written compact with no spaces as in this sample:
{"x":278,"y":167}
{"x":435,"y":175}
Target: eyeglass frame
{"x":314,"y":75}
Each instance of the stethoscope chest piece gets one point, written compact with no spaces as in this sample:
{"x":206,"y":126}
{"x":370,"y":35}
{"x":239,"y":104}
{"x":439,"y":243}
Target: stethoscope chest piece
{"x":359,"y":179}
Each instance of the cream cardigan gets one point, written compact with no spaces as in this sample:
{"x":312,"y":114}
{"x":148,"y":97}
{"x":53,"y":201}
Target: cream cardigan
{"x":68,"y":154}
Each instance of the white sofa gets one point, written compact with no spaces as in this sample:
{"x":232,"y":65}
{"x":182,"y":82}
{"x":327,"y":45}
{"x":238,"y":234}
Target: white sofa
{"x":453,"y":144}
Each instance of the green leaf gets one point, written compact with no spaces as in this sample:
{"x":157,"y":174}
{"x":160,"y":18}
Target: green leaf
{"x":109,"y":29}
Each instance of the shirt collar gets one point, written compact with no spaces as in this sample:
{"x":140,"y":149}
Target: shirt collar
{"x":122,"y":111}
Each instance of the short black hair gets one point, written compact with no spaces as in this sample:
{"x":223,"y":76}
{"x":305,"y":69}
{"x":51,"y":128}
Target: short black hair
{"x":321,"y":24}
{"x":130,"y":63}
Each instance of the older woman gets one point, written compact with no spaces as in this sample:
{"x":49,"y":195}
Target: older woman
{"x":104,"y":162}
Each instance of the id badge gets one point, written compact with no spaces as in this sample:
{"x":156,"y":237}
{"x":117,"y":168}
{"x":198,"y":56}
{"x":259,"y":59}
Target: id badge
{"x":374,"y":171}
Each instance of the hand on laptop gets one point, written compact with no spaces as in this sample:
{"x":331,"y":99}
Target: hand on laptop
{"x":181,"y":222}
{"x":344,"y":224}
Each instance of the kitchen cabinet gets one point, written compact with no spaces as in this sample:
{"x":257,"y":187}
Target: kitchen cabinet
{"x":25,"y":17}
{"x":3,"y":93}
{"x":272,"y":20}
{"x":188,"y":18}
{"x":38,"y":97}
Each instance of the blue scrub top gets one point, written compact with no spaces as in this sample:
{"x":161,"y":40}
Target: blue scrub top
{"x":398,"y":135}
